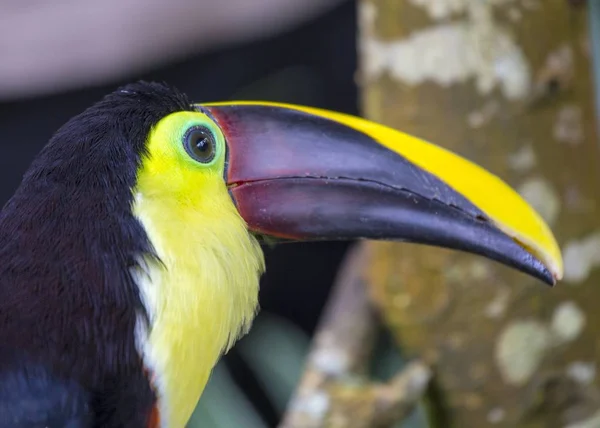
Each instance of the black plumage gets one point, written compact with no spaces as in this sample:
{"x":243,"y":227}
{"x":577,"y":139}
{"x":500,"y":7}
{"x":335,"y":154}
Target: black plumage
{"x":67,"y":241}
{"x":31,"y":396}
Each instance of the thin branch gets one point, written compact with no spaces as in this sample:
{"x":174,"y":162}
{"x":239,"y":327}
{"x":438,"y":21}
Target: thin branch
{"x":329,"y":394}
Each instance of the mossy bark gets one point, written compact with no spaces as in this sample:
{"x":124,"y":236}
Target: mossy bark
{"x":507,"y":84}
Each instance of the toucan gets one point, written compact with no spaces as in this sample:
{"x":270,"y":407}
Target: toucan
{"x":131,"y":252}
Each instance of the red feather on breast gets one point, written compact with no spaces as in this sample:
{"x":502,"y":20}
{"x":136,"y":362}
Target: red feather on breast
{"x":154,"y":419}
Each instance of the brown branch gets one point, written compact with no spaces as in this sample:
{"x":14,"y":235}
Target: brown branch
{"x":333,"y":391}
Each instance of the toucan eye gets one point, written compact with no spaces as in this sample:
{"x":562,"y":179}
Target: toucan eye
{"x":200,"y":143}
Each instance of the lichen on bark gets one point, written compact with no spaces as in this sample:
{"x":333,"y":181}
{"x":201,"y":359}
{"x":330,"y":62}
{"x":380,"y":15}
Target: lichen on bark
{"x":507,"y":84}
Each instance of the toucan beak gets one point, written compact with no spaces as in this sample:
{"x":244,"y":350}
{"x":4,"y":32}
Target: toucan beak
{"x":302,"y":173}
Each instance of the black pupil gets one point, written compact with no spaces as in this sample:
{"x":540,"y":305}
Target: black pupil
{"x":201,"y":145}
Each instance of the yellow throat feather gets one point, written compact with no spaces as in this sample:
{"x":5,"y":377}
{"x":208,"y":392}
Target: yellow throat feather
{"x":203,"y":294}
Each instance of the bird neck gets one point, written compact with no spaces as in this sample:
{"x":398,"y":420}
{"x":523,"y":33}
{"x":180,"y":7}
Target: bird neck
{"x":200,"y":295}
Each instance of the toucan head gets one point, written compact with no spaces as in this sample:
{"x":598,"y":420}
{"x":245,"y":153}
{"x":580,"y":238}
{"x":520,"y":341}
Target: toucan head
{"x":297,"y":173}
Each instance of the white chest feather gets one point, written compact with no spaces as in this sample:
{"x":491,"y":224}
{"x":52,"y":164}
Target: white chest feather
{"x":200,"y":298}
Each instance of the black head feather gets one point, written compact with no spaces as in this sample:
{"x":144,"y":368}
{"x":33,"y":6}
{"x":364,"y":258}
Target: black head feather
{"x":67,"y":241}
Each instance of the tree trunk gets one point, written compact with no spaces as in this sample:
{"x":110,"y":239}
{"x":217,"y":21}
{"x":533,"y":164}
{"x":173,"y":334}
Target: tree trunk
{"x":507,"y":84}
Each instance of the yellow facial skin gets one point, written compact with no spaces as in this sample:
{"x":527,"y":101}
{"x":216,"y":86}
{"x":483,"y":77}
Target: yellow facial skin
{"x":505,"y":207}
{"x":204,"y":294}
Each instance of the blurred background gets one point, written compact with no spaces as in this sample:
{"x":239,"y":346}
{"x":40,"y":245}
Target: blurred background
{"x":57,"y":58}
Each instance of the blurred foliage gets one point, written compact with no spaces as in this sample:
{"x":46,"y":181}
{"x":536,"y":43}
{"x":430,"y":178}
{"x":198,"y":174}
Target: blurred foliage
{"x":275,"y":351}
